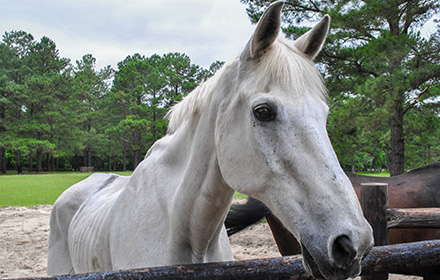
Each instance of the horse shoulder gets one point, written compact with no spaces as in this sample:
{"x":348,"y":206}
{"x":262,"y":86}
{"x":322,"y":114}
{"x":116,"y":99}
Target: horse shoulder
{"x":88,"y":230}
{"x":68,"y":203}
{"x":138,"y":236}
{"x":63,"y":211}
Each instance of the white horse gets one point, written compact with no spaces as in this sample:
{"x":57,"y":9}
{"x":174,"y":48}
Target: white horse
{"x":257,"y":127}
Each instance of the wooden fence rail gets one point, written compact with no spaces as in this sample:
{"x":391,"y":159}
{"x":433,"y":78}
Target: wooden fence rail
{"x":391,"y":258}
{"x":413,"y":217}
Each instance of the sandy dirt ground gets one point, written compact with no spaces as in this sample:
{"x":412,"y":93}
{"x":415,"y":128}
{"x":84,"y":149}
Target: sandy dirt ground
{"x":24,"y":234}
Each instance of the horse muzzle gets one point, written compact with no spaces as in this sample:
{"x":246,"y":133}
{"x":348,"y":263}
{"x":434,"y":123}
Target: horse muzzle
{"x":343,"y":260}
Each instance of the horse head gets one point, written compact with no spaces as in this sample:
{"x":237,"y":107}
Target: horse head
{"x":272,"y":144}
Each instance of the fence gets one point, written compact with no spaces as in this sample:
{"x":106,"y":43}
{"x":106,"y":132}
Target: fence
{"x":374,"y":201}
{"x":389,"y":258}
{"x":86,"y":169}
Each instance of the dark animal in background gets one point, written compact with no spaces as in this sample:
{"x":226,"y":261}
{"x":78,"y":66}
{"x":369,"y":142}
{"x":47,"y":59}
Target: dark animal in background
{"x":418,"y":188}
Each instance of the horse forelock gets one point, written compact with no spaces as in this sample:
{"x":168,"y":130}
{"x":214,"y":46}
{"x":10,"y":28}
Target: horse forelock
{"x":282,"y":65}
{"x":287,"y":67}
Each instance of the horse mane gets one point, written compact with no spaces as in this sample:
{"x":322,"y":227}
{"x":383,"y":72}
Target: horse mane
{"x":194,"y":103}
{"x":283,"y":64}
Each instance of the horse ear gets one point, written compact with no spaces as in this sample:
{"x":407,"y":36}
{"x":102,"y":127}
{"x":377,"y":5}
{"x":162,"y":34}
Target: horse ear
{"x":265,"y":34}
{"x":311,"y":42}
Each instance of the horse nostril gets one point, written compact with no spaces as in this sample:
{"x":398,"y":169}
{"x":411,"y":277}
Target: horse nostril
{"x":343,"y":252}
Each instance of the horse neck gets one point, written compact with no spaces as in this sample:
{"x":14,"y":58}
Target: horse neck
{"x":201,"y":199}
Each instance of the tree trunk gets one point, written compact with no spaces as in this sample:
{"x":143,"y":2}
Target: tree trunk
{"x":153,"y":128}
{"x":31,"y":162}
{"x":135,"y":158}
{"x":19,"y":166}
{"x":2,"y":149}
{"x":397,"y":164}
{"x":48,"y":162}
{"x":3,"y":159}
{"x":109,"y":164}
{"x":397,"y":98}
{"x":39,"y":160}
{"x":124,"y":162}
{"x":89,"y":156}
{"x":397,"y":157}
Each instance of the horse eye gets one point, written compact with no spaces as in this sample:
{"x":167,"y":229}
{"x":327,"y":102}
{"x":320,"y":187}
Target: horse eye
{"x":264,"y":113}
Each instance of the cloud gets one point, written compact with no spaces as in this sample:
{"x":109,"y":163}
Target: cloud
{"x":206,"y":30}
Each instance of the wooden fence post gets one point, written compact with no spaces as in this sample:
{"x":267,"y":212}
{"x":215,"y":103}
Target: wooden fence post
{"x":374,"y":202}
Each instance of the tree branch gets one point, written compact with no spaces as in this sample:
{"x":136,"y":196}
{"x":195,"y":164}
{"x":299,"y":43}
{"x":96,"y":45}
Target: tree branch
{"x":363,"y":70}
{"x":314,"y":5}
{"x":378,"y":158}
{"x":304,"y":8}
{"x":417,"y":98}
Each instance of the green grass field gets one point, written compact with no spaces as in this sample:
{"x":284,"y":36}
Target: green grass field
{"x":383,"y":174}
{"x":30,"y":190}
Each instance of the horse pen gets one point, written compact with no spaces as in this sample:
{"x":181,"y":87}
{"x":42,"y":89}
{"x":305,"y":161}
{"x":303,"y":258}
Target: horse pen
{"x":381,"y":260}
{"x":388,"y":258}
{"x":384,"y":258}
{"x":392,"y":259}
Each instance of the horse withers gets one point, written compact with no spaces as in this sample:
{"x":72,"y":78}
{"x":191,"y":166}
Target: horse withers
{"x":258,"y":127}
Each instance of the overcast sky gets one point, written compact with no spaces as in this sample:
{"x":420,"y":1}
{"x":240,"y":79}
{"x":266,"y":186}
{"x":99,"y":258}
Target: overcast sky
{"x":206,"y":30}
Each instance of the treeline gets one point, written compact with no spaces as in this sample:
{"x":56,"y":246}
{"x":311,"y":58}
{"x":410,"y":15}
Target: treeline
{"x":59,"y":115}
{"x":383,"y":78}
